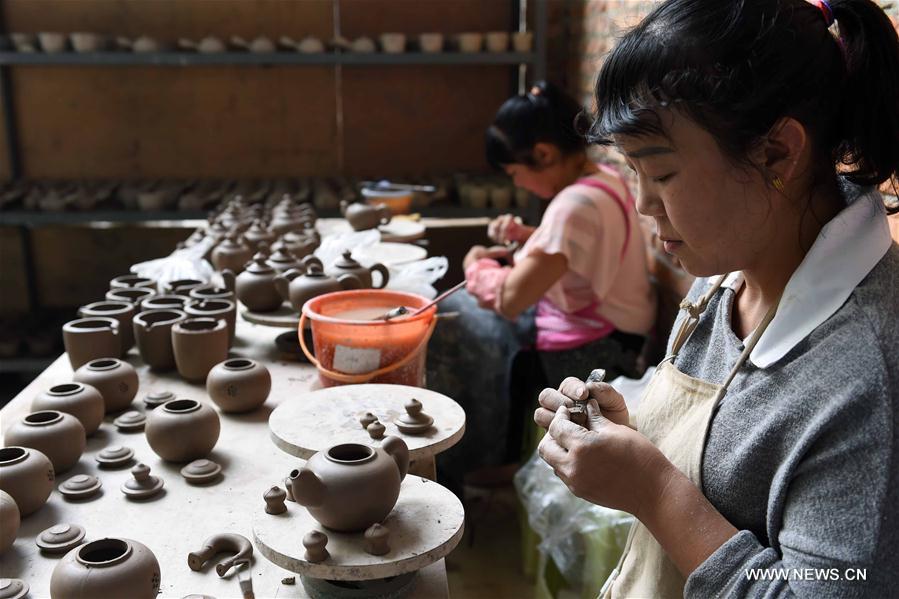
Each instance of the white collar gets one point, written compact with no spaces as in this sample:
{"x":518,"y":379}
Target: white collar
{"x":845,"y":251}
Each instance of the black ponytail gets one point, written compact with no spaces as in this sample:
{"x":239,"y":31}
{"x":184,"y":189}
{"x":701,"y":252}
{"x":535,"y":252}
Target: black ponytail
{"x":545,"y":114}
{"x":736,"y":67}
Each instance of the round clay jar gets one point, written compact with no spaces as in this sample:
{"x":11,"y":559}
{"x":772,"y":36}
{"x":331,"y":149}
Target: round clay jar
{"x":87,"y":339}
{"x":106,"y":569}
{"x":58,"y":435}
{"x":333,"y":480}
{"x":9,"y":521}
{"x":27,"y":475}
{"x":182,"y":430}
{"x":199,"y":344}
{"x":121,"y":311}
{"x":239,"y":385}
{"x":115,"y":380}
{"x":82,"y":401}
{"x":153,"y":332}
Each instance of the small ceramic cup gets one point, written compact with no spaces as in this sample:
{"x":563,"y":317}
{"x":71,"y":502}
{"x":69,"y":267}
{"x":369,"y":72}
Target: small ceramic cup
{"x":431,"y":43}
{"x":87,"y":339}
{"x":470,"y":42}
{"x":497,"y":41}
{"x":523,"y":41}
{"x":393,"y":43}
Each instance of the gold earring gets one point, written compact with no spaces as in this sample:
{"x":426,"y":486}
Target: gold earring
{"x":778,"y":184}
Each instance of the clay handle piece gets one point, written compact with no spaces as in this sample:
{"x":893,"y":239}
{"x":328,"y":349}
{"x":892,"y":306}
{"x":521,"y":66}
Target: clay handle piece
{"x":228,"y":277}
{"x":385,"y":274}
{"x":224,"y":542}
{"x":311,"y":259}
{"x":399,"y":451}
{"x":307,"y":488}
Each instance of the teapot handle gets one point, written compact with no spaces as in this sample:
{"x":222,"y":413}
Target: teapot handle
{"x":228,"y":278}
{"x":399,"y":451}
{"x":385,"y":274}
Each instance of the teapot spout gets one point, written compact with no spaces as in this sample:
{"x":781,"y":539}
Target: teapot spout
{"x":228,"y":278}
{"x":307,"y":488}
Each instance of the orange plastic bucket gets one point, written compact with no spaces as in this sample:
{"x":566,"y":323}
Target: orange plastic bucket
{"x":350,"y":348}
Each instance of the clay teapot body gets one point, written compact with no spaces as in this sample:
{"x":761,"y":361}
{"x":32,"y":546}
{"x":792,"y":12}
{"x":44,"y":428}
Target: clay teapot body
{"x":301,"y":243}
{"x":332,"y":481}
{"x":298,"y":288}
{"x":232,"y":254}
{"x":362,"y":216}
{"x":105,"y":569}
{"x":346,"y":265}
{"x":255,"y":286}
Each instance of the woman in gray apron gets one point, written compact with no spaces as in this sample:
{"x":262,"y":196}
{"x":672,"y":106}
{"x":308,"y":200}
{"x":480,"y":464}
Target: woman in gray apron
{"x":763,"y":458}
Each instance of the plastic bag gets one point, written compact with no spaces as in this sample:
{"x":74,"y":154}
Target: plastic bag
{"x":571,"y":528}
{"x":184,"y":263}
{"x":418,"y":277}
{"x":333,"y":246}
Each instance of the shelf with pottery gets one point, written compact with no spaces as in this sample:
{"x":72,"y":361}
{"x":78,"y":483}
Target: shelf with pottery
{"x":187,"y":59}
{"x":182,"y":516}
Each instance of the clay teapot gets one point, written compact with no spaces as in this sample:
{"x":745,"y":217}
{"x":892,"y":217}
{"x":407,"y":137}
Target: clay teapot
{"x":232,"y":254}
{"x":255,"y":286}
{"x":301,"y":243}
{"x":347,"y":265}
{"x":362,"y":216}
{"x":282,"y":260}
{"x":258,"y":233}
{"x":298,"y":288}
{"x":333,"y":480}
{"x":107,"y":568}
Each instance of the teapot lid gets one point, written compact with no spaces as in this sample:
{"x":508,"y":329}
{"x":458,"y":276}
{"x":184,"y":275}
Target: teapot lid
{"x":347,"y":261}
{"x":282,"y":254}
{"x":259,"y":265}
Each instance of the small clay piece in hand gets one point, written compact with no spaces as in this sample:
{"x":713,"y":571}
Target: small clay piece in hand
{"x":80,"y":486}
{"x":274,"y":500}
{"x":315,"y":542}
{"x":578,"y":412}
{"x":377,"y":539}
{"x":142,"y":485}
{"x":130,"y":422}
{"x":60,"y":538}
{"x":115,"y":456}
{"x":201,"y":471}
{"x":224,"y":542}
{"x":155,"y":399}
{"x":414,"y":421}
{"x":376,"y":430}
{"x":367,"y":419}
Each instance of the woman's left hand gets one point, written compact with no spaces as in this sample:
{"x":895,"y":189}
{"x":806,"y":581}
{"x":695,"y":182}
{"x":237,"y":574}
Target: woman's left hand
{"x":607,"y":464}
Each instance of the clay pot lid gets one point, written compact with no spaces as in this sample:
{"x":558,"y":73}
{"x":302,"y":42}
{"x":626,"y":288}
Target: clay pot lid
{"x":201,"y":471}
{"x":103,"y":364}
{"x":131,"y":421}
{"x":259,"y":265}
{"x":157,"y":398}
{"x":115,"y":456}
{"x":346,"y":261}
{"x":13,"y":588}
{"x":414,"y":421}
{"x":142,"y":484}
{"x":80,"y":486}
{"x":282,"y":255}
{"x":60,"y":538}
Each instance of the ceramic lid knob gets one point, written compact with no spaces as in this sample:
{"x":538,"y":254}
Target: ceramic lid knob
{"x":367,"y":419}
{"x":376,"y":430}
{"x":274,"y":500}
{"x":377,"y":539}
{"x":315,"y":542}
{"x":413,"y":407}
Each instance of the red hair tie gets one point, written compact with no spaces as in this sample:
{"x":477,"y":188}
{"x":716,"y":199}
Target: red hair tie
{"x":827,"y":11}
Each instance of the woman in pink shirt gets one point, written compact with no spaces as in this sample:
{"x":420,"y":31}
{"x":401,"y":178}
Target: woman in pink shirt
{"x":576,"y":290}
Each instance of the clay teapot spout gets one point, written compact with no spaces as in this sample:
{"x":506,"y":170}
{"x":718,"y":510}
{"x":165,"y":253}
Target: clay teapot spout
{"x":228,"y":278}
{"x":307,"y":488}
{"x":282,"y":283}
{"x":399,"y":451}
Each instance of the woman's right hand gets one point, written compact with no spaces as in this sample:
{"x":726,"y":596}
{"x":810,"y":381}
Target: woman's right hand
{"x":611,"y":403}
{"x":507,"y":228}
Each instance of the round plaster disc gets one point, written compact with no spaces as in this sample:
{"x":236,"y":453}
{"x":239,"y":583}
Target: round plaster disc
{"x":60,"y":538}
{"x":80,"y":486}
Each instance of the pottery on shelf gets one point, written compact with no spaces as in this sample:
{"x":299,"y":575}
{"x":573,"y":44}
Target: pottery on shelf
{"x":182,"y":430}
{"x":393,"y":43}
{"x":201,"y":471}
{"x":315,"y":543}
{"x":470,"y":42}
{"x":80,"y":486}
{"x":109,"y":568}
{"x":221,"y":543}
{"x":215,"y":308}
{"x":332,"y":480}
{"x":377,"y":539}
{"x":169,"y":301}
{"x":274,"y":500}
{"x":232,"y":253}
{"x":255,"y":286}
{"x":57,"y":435}
{"x":84,"y":402}
{"x":430,"y":43}
{"x":129,"y":294}
{"x":60,"y":538}
{"x":128,"y":281}
{"x":346,"y":265}
{"x":121,"y":311}
{"x":523,"y":41}
{"x":27,"y":475}
{"x":497,"y":41}
{"x":239,"y":385}
{"x":153,"y":333}
{"x":182,"y":286}
{"x":87,"y":339}
{"x":414,"y":421}
{"x":364,"y":216}
{"x":9,"y":521}
{"x":154,"y":399}
{"x":116,"y":381}
{"x":199,"y":344}
{"x":298,"y":288}
{"x":142,"y":484}
{"x":114,"y":456}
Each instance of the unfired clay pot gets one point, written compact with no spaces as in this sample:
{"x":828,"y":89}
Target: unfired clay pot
{"x":199,"y":344}
{"x":255,"y":286}
{"x":115,"y":380}
{"x":332,"y":481}
{"x":84,"y":402}
{"x":182,"y":286}
{"x":207,"y":292}
{"x":121,"y":311}
{"x":214,"y":308}
{"x":58,"y":435}
{"x":298,"y":288}
{"x":126,"y":281}
{"x":232,"y":254}
{"x":282,"y":260}
{"x":87,"y":339}
{"x":258,"y":233}
{"x":362,"y":216}
{"x":27,"y":475}
{"x":153,"y":332}
{"x":106,"y":569}
{"x":130,"y":294}
{"x":239,"y":385}
{"x":346,"y":265}
{"x":301,"y":243}
{"x":169,"y":301}
{"x":182,"y":430}
{"x":9,"y":521}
